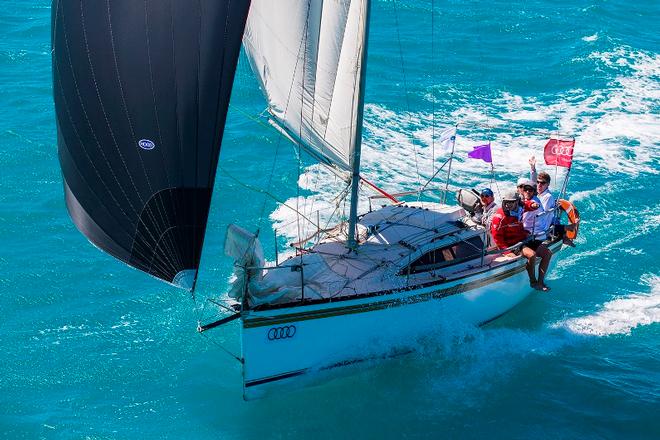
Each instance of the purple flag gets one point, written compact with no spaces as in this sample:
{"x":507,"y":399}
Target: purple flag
{"x":481,"y":152}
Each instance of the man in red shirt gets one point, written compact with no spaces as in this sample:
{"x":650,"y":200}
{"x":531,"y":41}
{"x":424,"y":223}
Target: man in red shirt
{"x":507,"y":230}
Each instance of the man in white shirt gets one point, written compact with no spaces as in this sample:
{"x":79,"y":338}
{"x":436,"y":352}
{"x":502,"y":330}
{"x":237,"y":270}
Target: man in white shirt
{"x":531,"y":206}
{"x":546,"y":212}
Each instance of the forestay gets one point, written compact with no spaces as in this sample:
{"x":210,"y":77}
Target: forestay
{"x":307,"y":55}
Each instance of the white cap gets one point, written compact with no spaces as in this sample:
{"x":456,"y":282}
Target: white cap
{"x":522,"y":181}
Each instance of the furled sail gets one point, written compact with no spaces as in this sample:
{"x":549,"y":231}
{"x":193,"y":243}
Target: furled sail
{"x":307,"y":55}
{"x":141,"y":93}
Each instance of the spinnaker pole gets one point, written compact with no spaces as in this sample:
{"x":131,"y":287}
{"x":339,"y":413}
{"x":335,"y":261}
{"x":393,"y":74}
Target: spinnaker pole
{"x":355,"y":157}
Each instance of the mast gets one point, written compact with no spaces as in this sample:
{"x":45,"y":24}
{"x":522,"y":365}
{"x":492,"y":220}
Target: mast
{"x":355,"y":157}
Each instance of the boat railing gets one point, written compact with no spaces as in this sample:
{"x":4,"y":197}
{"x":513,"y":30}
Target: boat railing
{"x":483,"y":254}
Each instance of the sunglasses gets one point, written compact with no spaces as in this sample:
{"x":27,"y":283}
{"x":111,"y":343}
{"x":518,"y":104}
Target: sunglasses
{"x":528,"y":188}
{"x":541,"y":182}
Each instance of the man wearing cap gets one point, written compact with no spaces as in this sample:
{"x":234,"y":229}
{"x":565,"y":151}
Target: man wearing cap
{"x":531,"y":205}
{"x":488,"y":208}
{"x":545,"y":216}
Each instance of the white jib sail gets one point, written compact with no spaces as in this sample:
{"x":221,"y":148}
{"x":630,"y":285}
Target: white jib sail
{"x":307,"y":55}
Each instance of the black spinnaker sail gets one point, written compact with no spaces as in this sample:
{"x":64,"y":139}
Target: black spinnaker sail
{"x":141,"y":92}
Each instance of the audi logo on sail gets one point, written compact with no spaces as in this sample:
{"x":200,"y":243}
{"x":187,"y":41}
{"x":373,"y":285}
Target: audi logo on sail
{"x":562,"y":151}
{"x":146,"y":144}
{"x":284,"y":332}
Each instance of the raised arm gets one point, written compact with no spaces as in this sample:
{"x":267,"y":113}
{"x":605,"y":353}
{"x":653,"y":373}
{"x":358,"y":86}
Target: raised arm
{"x":532,"y":169}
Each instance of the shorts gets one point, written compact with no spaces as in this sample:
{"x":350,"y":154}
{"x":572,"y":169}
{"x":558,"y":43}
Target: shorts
{"x":533,"y":244}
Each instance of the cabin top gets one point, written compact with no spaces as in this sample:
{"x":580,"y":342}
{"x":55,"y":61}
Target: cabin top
{"x":399,"y":246}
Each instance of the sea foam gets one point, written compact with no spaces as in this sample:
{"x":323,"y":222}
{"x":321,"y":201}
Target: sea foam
{"x":621,"y":315}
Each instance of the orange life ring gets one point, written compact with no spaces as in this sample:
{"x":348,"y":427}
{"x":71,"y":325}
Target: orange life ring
{"x":573,"y":217}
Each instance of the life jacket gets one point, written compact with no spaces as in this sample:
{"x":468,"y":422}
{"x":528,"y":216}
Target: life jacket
{"x":506,"y":230}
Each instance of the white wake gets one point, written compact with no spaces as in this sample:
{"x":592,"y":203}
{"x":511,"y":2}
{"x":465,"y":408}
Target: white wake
{"x":621,"y":315}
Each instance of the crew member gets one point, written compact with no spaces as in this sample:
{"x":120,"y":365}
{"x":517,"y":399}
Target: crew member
{"x":507,"y":230}
{"x":488,"y":208}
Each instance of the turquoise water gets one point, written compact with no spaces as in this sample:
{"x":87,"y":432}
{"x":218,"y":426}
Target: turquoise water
{"x":93,"y":349}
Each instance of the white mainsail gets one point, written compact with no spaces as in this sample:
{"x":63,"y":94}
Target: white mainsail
{"x":308,"y":55}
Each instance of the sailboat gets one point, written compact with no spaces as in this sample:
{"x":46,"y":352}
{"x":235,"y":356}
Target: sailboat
{"x":141,"y":93}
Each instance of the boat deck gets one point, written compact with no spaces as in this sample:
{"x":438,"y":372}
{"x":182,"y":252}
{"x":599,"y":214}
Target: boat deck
{"x":400,"y":247}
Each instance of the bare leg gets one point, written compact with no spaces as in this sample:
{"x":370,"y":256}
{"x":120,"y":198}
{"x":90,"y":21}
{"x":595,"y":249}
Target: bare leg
{"x":531,"y":264}
{"x":546,"y":255}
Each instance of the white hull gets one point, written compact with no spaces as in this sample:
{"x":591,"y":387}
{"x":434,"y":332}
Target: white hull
{"x":282,"y":344}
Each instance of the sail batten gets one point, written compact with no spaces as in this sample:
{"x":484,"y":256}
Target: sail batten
{"x":141,"y":93}
{"x":306,"y":55}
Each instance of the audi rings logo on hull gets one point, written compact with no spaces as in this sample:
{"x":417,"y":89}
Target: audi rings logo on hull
{"x":284,"y":332}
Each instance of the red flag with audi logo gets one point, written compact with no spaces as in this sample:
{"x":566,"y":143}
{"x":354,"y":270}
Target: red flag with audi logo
{"x":559,"y":152}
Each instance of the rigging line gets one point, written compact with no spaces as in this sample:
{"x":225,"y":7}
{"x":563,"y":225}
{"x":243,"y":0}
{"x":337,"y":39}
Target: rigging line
{"x":279,"y":139}
{"x":262,"y":191}
{"x":379,"y":190}
{"x":317,"y":170}
{"x":302,"y":118}
{"x":335,"y":211}
{"x":558,"y":138}
{"x":257,"y":120}
{"x":219,"y":303}
{"x":200,"y":311}
{"x":221,"y":347}
{"x":215,"y":152}
{"x":270,"y":181}
{"x":451,"y":159}
{"x":492,"y":180}
{"x":423,"y":188}
{"x":286,"y":108}
{"x":405,"y":86}
{"x":488,"y":124}
{"x":433,"y":74}
{"x":340,"y":196}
